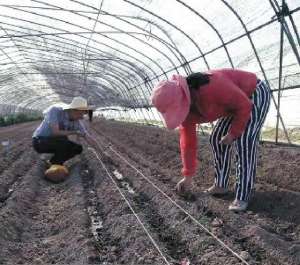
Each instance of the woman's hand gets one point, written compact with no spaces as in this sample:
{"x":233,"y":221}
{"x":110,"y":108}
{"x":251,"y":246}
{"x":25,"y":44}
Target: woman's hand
{"x":227,"y":139}
{"x":184,"y":185}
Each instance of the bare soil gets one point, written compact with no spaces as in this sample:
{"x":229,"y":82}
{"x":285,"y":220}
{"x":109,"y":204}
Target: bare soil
{"x":91,"y":218}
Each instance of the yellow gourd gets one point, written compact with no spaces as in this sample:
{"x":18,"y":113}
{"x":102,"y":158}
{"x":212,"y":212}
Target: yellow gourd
{"x":57,"y":173}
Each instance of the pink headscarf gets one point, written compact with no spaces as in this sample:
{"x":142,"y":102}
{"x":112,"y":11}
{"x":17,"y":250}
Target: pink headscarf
{"x":172,"y":99}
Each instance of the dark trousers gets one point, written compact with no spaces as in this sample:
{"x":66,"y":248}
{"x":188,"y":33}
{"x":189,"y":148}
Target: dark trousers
{"x":62,"y":148}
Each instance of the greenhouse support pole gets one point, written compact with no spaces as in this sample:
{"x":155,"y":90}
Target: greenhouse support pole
{"x":284,"y":11}
{"x":279,"y":81}
{"x":295,"y":28}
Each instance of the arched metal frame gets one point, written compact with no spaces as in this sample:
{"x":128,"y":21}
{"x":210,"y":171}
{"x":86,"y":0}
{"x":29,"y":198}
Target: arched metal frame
{"x":51,"y":59}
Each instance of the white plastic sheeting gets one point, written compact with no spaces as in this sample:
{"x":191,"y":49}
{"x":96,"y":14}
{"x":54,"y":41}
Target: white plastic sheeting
{"x":113,"y":51}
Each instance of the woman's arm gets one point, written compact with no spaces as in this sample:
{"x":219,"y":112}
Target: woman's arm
{"x":188,"y":147}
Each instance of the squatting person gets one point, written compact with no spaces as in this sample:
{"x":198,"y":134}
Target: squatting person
{"x":60,"y":122}
{"x":239,"y":101}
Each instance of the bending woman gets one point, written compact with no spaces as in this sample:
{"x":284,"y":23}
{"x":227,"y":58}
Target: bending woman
{"x":239,"y":101}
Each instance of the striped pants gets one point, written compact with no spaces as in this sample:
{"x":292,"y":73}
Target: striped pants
{"x":245,"y":145}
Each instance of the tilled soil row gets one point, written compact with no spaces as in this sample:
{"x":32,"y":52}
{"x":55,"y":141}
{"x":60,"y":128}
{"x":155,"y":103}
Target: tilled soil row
{"x":177,"y":234}
{"x":13,"y":221}
{"x":13,"y":175}
{"x":102,"y":243}
{"x":277,"y":166}
{"x":278,"y":190}
{"x":18,"y":131}
{"x":251,"y":230}
{"x":121,"y":240}
{"x":45,"y":223}
{"x":85,"y":220}
{"x":144,"y":140}
{"x":167,"y":238}
{"x":11,"y":155}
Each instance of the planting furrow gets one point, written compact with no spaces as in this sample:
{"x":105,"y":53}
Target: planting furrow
{"x":167,"y":238}
{"x":94,"y":210}
{"x":121,"y":240}
{"x":180,"y":237}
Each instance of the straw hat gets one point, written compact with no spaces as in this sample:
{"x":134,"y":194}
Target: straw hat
{"x":78,"y":103}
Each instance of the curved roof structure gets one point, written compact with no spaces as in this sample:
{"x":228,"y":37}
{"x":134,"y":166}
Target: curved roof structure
{"x":113,"y":51}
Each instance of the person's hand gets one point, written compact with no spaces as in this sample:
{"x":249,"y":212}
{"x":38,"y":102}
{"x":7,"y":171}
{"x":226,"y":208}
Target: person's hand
{"x":184,"y":185}
{"x":227,"y":139}
{"x":80,"y":134}
{"x":92,"y":141}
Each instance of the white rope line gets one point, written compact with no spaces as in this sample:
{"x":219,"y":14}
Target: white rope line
{"x":182,"y":209}
{"x":135,"y":214}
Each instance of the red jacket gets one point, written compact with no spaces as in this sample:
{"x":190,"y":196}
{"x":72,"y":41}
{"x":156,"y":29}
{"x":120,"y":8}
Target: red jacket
{"x":227,"y":94}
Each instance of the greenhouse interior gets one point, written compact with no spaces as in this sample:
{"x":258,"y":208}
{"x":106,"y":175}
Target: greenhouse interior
{"x":93,"y":172}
